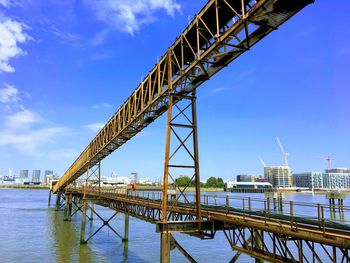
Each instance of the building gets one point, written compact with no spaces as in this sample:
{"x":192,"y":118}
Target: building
{"x":147,"y":181}
{"x":278,"y":176}
{"x":23,"y":173}
{"x":312,"y":180}
{"x":230,"y":184}
{"x":48,"y":172}
{"x":36,"y":176}
{"x":48,"y":175}
{"x":250,"y":178}
{"x":244,"y":178}
{"x":338,"y":178}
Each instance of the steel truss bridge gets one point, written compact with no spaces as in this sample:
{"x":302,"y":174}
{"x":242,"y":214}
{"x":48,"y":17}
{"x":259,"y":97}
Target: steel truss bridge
{"x":218,"y":34}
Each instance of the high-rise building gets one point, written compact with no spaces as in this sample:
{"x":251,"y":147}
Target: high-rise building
{"x":337,"y":178}
{"x":278,"y":176}
{"x":23,"y":173}
{"x":312,"y":180}
{"x":36,"y":176}
{"x":48,"y":172}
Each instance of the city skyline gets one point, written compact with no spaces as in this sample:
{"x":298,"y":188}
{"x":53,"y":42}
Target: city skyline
{"x":295,"y":89}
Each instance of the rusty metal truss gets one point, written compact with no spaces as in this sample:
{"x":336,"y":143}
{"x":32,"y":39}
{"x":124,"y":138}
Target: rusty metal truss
{"x":279,"y":247}
{"x":262,"y":237}
{"x":218,"y":34}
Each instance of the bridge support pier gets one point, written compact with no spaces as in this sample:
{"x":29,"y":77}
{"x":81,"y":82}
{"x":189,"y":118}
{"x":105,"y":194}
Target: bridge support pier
{"x":58,"y":200}
{"x":259,"y":243}
{"x":49,"y":202}
{"x":165,"y":247}
{"x":68,"y":208}
{"x":126,"y":228}
{"x":91,"y":211}
{"x":83,"y":223}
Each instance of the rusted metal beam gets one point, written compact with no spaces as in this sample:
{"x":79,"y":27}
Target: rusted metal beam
{"x":194,"y":57}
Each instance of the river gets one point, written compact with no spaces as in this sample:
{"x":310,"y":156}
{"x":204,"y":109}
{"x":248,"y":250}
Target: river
{"x":30,"y":231}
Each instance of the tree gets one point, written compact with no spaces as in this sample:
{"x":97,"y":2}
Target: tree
{"x":183,"y":181}
{"x":211,"y":182}
{"x":220,"y":183}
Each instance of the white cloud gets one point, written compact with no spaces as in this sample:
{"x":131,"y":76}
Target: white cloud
{"x":28,"y":141}
{"x":9,"y":94}
{"x":95,"y":127}
{"x":23,"y":129}
{"x":62,"y":154}
{"x":22,"y":118}
{"x":100,"y":38}
{"x":5,"y":3}
{"x":11,"y":34}
{"x":129,"y":15}
{"x":13,"y":3}
{"x":101,"y":106}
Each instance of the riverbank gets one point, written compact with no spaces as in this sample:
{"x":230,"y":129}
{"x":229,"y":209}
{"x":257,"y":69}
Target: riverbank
{"x":22,"y":186}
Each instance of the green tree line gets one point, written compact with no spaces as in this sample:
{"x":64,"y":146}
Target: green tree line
{"x":212,"y":182}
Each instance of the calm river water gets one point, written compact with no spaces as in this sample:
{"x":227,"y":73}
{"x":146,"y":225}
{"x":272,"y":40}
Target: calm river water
{"x":32,"y":232}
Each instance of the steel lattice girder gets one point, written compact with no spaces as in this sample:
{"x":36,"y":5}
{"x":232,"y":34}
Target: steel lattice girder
{"x":222,"y":31}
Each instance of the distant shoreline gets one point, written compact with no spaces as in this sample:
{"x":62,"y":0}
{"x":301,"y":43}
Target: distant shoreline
{"x":21,"y":186}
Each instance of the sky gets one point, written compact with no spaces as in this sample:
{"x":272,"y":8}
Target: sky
{"x":67,"y":66}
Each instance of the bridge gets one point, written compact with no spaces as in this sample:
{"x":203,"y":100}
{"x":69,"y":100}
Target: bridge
{"x":221,"y":32}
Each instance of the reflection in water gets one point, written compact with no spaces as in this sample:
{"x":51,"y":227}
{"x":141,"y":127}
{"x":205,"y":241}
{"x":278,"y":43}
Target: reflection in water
{"x":33,"y":233}
{"x":65,"y":238}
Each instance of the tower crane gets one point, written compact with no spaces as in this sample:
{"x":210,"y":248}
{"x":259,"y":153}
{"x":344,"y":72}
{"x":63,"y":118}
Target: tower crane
{"x":329,"y":160}
{"x":285,"y":154}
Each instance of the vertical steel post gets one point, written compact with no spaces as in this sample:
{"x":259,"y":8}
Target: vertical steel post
{"x":126,"y":228}
{"x":167,"y":142}
{"x":165,"y":247}
{"x":49,"y":203}
{"x":70,"y":207}
{"x":58,"y":200}
{"x":83,"y":224}
{"x":196,"y":156}
{"x":91,"y":211}
{"x":99,"y":179}
{"x":66,"y":208}
{"x":258,"y":238}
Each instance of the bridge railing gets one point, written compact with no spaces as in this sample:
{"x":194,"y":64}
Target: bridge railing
{"x":325,"y":216}
{"x":299,"y":212}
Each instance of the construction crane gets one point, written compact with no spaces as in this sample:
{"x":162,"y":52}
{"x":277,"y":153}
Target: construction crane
{"x":329,"y":160}
{"x":262,"y":162}
{"x":285,"y":154}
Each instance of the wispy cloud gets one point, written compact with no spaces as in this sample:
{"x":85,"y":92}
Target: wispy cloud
{"x":95,"y":127}
{"x":22,"y":118}
{"x":28,"y":141}
{"x":9,"y":94}
{"x":23,"y":129}
{"x":100,"y":37}
{"x":101,"y":106}
{"x":11,"y":34}
{"x":129,"y":15}
{"x":215,"y":91}
{"x":5,"y":3}
{"x":62,"y":154}
{"x":13,"y":3}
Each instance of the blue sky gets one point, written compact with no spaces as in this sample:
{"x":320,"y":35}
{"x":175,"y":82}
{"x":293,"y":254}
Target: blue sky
{"x":66,"y":67}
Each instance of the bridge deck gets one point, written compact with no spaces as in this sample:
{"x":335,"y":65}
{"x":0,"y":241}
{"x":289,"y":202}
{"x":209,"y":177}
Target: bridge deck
{"x":313,"y":228}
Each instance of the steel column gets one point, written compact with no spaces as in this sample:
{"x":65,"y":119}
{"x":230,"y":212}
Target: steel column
{"x":126,"y":228}
{"x":83,"y":223}
{"x":165,"y":238}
